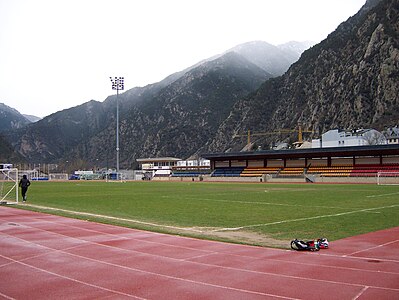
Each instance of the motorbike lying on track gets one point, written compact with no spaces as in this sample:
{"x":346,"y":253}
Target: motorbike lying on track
{"x":314,"y":245}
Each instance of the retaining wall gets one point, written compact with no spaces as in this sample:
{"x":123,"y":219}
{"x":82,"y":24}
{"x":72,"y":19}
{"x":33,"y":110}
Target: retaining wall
{"x":369,"y":180}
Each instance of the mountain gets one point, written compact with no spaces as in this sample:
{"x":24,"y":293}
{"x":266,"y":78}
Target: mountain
{"x":177,"y":115}
{"x":273,"y":59}
{"x":32,"y":118}
{"x":349,"y":80}
{"x":10,"y":118}
{"x":48,"y":139}
{"x":294,"y":49}
{"x":7,"y":153}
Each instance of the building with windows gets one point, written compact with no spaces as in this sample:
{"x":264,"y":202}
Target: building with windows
{"x":157,"y":167}
{"x":349,"y":138}
{"x":392,"y":135}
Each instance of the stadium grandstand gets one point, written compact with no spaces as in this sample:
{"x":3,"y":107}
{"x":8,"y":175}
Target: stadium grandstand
{"x":311,"y":164}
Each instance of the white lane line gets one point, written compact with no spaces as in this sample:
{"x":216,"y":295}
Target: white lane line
{"x":7,"y":297}
{"x":371,"y":248}
{"x":71,"y":279}
{"x":116,"y":218}
{"x":138,"y":271}
{"x":361,"y":293}
{"x":171,"y":245}
{"x":204,"y":264}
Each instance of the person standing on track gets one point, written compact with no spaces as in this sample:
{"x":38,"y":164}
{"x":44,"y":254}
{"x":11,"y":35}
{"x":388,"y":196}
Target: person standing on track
{"x":24,"y":183}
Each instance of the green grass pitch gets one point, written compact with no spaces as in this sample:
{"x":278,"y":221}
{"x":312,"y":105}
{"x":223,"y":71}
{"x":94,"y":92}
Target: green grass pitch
{"x":255,"y":213}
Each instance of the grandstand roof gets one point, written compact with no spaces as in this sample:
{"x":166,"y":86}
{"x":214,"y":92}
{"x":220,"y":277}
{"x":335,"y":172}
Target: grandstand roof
{"x":157,"y":159}
{"x":375,"y":150}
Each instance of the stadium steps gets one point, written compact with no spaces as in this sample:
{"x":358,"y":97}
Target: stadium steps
{"x":258,"y":171}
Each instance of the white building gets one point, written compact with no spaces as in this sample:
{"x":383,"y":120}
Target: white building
{"x":343,"y":138}
{"x":160,"y":167}
{"x":392,"y":135}
{"x":201,"y":162}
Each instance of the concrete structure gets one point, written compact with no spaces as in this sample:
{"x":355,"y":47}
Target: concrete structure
{"x":160,"y":167}
{"x":392,"y":135}
{"x":201,"y":162}
{"x":357,"y":164}
{"x":345,"y":138}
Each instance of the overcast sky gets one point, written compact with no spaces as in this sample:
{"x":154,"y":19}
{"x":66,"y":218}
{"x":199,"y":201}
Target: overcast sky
{"x":56,"y":54}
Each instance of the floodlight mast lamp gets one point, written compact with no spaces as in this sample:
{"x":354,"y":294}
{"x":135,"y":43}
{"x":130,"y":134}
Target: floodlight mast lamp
{"x":118,"y":85}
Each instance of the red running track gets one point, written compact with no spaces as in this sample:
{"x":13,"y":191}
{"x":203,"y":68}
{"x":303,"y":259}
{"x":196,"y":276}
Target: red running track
{"x":51,"y":257}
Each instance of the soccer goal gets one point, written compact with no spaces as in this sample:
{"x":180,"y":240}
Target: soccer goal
{"x":388,"y":178}
{"x":58,"y":176}
{"x":8,"y":186}
{"x":115,"y":177}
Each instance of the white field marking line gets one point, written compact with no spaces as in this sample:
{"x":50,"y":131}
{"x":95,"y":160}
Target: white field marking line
{"x":220,"y":267}
{"x":72,"y":279}
{"x":321,"y":264}
{"x":308,"y":218}
{"x":71,"y":226}
{"x":382,"y":195}
{"x":51,"y":250}
{"x":197,"y":263}
{"x":206,"y":252}
{"x":209,"y":252}
{"x":203,"y":283}
{"x":361,"y":293}
{"x":312,"y":264}
{"x":371,"y":248}
{"x":116,"y":218}
{"x":188,"y":248}
{"x":29,"y":257}
{"x":358,"y":258}
{"x":189,"y":259}
{"x":139,"y":271}
{"x":5,"y":296}
{"x":257,"y":202}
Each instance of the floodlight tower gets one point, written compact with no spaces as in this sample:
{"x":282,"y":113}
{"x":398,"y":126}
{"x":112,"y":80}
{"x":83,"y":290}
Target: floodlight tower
{"x":118,"y":85}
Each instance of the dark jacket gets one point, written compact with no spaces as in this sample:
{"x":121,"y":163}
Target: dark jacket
{"x":24,"y":183}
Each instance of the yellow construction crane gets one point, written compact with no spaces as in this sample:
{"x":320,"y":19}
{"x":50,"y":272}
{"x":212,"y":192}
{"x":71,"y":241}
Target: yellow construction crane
{"x":299,"y":130}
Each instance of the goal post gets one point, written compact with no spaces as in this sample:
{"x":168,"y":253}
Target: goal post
{"x":58,"y":176}
{"x":115,"y":177}
{"x":9,"y":186}
{"x":388,"y":178}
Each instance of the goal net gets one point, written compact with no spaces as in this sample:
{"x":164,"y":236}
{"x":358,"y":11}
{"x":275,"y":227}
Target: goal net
{"x":115,"y":177}
{"x":8,"y":186}
{"x":388,"y":178}
{"x":58,"y":176}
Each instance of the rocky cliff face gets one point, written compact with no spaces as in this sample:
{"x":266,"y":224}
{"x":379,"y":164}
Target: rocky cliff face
{"x":7,"y":153}
{"x":11,"y":118}
{"x":173,"y":117}
{"x":49,"y":139}
{"x":180,"y":117}
{"x":349,"y":80}
{"x":274,"y":59}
